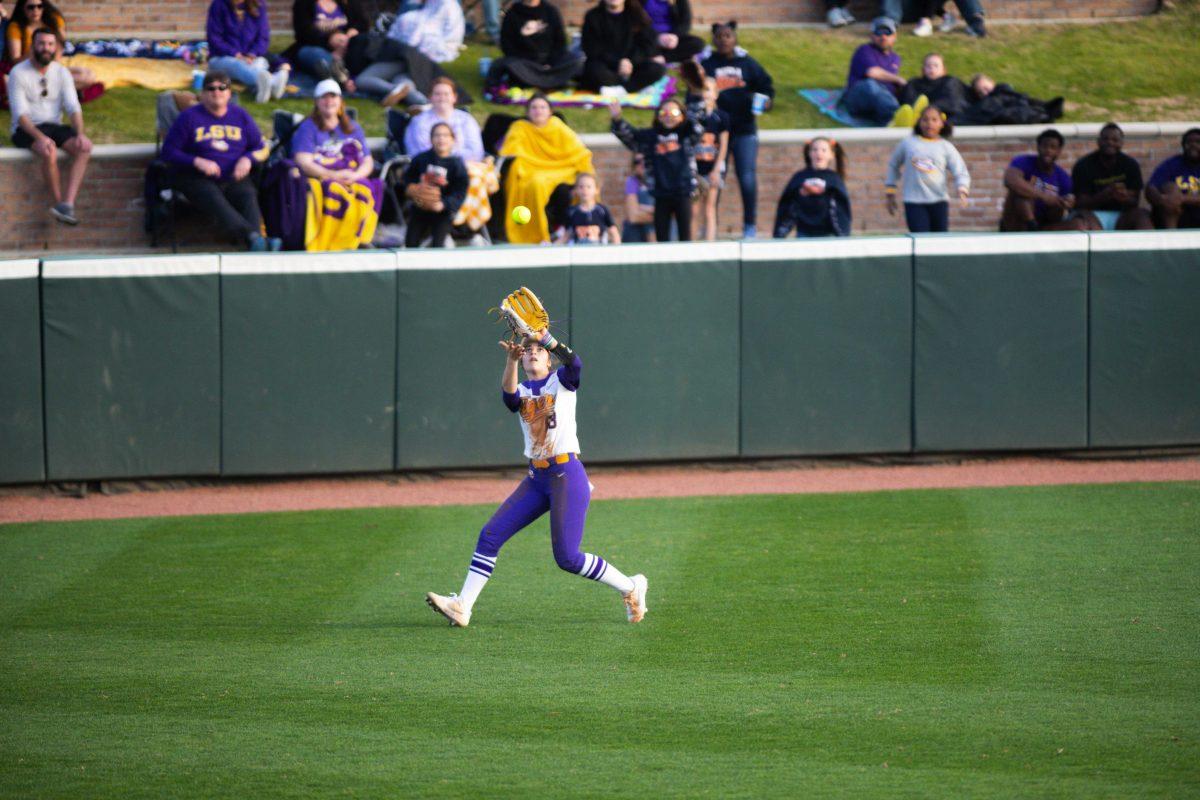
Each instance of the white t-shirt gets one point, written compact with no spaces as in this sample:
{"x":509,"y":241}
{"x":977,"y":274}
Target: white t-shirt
{"x":25,"y":93}
{"x":547,"y":415}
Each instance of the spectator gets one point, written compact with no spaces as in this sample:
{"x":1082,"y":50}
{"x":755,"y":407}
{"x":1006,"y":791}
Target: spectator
{"x":468,"y":142}
{"x":739,"y":78}
{"x":436,"y":29}
{"x":588,"y":222}
{"x":669,"y":146}
{"x":323,"y":30}
{"x":491,"y":19}
{"x":672,"y":21}
{"x":639,"y":204}
{"x":1108,"y":184}
{"x":1174,"y":188}
{"x":387,"y":79}
{"x":1039,"y":191}
{"x":40,"y":91}
{"x":816,"y":201}
{"x":926,"y":156}
{"x":239,"y":37}
{"x":712,"y":151}
{"x":874,"y":83}
{"x":213,"y":146}
{"x":836,"y":13}
{"x":547,"y":153}
{"x":331,"y":150}
{"x":971,"y":10}
{"x":945,"y":91}
{"x":30,"y":16}
{"x":534,"y":43}
{"x":619,"y":44}
{"x":436,"y":182}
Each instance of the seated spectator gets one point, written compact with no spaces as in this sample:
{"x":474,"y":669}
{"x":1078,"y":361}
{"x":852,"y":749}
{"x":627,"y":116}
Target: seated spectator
{"x":468,"y":143}
{"x":213,"y":146}
{"x":332,"y":152}
{"x":1174,"y":188}
{"x":388,"y":81}
{"x":239,"y":37}
{"x":712,"y":151}
{"x":40,"y":91}
{"x":739,"y":79}
{"x":672,"y":21}
{"x":925,"y":10}
{"x":1039,"y":191}
{"x":436,"y":28}
{"x":620,"y":45}
{"x":669,"y":146}
{"x":547,"y":153}
{"x":534,"y":43}
{"x":1108,"y":185}
{"x":816,"y":201}
{"x":874,"y":83}
{"x":837,"y":15}
{"x":926,"y":157}
{"x":436,"y":182}
{"x":30,"y":16}
{"x":639,"y":204}
{"x":991,"y":103}
{"x":323,"y":31}
{"x":944,"y":91}
{"x":588,"y":222}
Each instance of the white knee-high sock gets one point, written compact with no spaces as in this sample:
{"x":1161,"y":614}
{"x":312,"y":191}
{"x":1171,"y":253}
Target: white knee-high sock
{"x":597,"y":569}
{"x":477,"y":577}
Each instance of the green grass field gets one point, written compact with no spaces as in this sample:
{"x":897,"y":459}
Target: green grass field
{"x":971,"y":643}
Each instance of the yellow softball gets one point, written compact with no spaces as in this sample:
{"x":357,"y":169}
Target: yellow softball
{"x":521,"y":215}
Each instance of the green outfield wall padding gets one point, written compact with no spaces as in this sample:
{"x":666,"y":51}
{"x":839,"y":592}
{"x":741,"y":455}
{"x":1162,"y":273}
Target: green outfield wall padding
{"x":826,"y":347}
{"x":1001,"y":342}
{"x":132,"y":367}
{"x":448,"y":403}
{"x":657,"y":329}
{"x":309,"y":355}
{"x":1145,"y":339}
{"x":22,"y":455}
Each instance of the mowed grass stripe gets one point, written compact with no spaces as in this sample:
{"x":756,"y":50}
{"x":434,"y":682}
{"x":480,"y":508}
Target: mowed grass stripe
{"x":983,"y":642}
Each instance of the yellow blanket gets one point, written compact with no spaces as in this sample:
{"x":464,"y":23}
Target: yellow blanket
{"x":339,"y":217}
{"x":545,"y":157}
{"x":153,"y":73}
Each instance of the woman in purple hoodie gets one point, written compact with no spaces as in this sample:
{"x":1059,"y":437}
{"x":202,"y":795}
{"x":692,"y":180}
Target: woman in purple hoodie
{"x":238,"y":38}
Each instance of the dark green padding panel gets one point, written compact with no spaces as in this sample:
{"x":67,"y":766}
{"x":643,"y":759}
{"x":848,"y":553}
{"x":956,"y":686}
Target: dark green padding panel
{"x":1145,"y":354}
{"x":310,"y":363}
{"x":1001,"y":342}
{"x":22,"y":457}
{"x":827,"y":347}
{"x":133,"y":376}
{"x":449,"y":408}
{"x":658,"y":335}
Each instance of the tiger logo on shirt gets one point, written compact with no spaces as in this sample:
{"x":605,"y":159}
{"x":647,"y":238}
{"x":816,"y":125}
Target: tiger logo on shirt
{"x":538,"y":413}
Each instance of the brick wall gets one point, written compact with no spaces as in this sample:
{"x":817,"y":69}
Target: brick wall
{"x":111,"y":202}
{"x":186,"y":17}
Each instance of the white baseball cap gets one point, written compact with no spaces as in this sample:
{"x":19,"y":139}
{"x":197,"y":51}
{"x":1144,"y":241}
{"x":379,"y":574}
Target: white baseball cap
{"x":327,"y":86}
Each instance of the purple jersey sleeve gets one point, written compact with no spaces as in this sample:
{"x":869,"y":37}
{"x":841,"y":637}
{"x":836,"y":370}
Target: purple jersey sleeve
{"x":568,"y":374}
{"x":512,"y":400}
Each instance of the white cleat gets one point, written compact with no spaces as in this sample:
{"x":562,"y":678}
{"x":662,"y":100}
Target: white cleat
{"x":451,"y":608}
{"x":635,"y":601}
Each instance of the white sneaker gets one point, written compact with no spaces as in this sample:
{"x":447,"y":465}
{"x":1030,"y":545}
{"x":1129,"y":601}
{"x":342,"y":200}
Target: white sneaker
{"x":847,"y":16}
{"x":262,"y":93}
{"x":836,"y":17}
{"x":450,"y":608}
{"x":279,"y":82}
{"x":924,"y":28}
{"x":949,"y":22}
{"x":635,"y":601}
{"x":610,"y":92}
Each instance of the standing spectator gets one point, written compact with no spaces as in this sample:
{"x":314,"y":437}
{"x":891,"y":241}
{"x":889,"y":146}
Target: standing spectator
{"x":836,"y":13}
{"x":534,"y":42}
{"x":639,"y":204}
{"x":436,"y":182}
{"x":1039,"y":191}
{"x":213,"y":146}
{"x":31,"y":16}
{"x":40,"y":91}
{"x":323,"y":30}
{"x":672,"y":21}
{"x":588,"y":222}
{"x":739,"y":78}
{"x":873,"y":82}
{"x":669,"y":146}
{"x":712,"y":151}
{"x":468,"y":142}
{"x":436,"y":29}
{"x":1108,"y":185}
{"x":239,"y":37}
{"x":816,"y":201}
{"x":1174,"y":188}
{"x":620,"y":45}
{"x":926,"y":158}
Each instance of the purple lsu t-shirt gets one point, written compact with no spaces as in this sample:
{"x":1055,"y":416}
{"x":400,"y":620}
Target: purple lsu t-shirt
{"x":1176,"y":170}
{"x":1058,"y":181}
{"x":197,"y":133}
{"x":869,"y":56}
{"x":325,"y":145}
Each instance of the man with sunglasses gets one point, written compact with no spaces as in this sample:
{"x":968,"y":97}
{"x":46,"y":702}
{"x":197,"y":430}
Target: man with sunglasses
{"x":213,"y":146}
{"x":40,"y":91}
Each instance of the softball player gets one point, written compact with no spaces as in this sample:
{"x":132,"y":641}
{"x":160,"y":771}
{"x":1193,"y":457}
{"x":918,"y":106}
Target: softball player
{"x":557,"y":481}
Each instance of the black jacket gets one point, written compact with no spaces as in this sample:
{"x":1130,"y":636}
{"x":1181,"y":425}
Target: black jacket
{"x":546,"y":47}
{"x":304,"y":24}
{"x":454,"y":192}
{"x":947,"y":93}
{"x":824,"y":214}
{"x":670,"y":154}
{"x":608,"y":38}
{"x":738,"y":78}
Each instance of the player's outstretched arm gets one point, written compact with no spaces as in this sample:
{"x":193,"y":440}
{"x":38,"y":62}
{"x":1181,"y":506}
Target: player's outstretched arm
{"x":508,"y":380}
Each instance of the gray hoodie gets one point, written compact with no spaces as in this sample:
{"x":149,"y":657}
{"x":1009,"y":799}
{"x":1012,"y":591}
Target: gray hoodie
{"x":926,"y":162}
